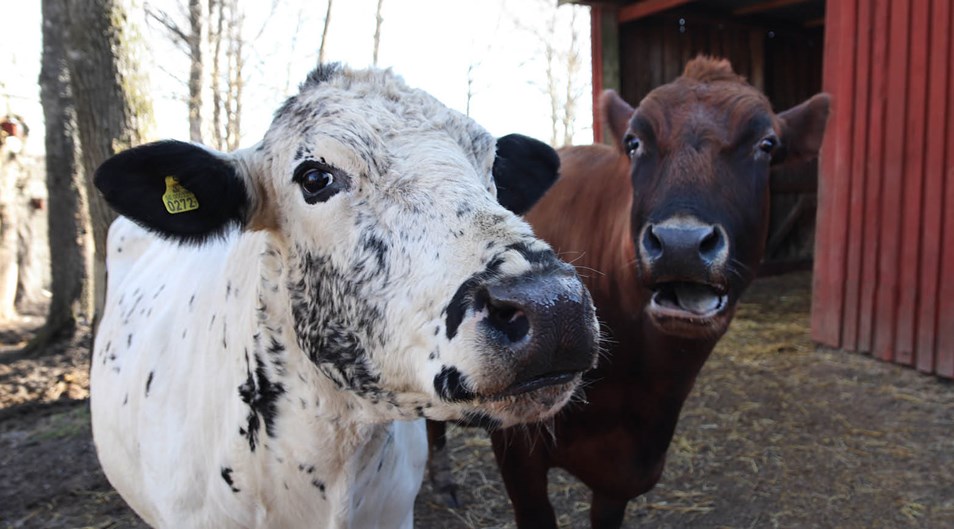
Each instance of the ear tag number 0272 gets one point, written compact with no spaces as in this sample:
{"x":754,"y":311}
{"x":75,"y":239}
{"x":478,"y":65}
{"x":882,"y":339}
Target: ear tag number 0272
{"x":178,"y":199}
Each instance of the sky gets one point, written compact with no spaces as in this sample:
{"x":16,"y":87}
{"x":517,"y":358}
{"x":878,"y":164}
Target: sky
{"x":431,"y":43}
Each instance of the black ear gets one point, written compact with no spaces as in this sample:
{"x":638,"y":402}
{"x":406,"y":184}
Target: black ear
{"x":175,"y":189}
{"x":523,"y":171}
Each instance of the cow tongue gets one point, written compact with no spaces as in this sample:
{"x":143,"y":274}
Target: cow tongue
{"x":696,"y":298}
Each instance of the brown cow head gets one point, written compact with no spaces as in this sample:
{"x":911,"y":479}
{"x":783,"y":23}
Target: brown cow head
{"x":701,"y":148}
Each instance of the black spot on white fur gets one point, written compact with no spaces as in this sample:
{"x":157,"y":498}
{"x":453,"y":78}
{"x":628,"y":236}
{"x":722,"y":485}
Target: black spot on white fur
{"x":261,"y":396}
{"x":227,"y":477}
{"x":149,"y":382}
{"x":335,"y":317}
{"x":463,"y":299}
{"x":452,"y":386}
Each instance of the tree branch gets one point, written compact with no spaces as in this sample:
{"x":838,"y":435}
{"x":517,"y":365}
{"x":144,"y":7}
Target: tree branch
{"x":178,"y":36}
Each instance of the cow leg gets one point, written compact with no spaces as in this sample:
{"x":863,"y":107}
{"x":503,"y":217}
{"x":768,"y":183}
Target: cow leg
{"x":606,"y":512}
{"x":524,"y":473}
{"x":439,"y":464}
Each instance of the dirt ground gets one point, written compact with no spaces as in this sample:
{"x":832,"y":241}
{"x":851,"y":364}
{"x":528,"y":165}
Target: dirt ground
{"x":776,"y":434}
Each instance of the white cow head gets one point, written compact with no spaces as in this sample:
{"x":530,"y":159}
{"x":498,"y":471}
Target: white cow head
{"x":405,"y":280}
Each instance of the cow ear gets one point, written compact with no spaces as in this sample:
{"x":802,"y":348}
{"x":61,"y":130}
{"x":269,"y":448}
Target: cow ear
{"x":176,"y":189}
{"x":524,"y":170}
{"x":616,"y":113}
{"x":803,"y":128}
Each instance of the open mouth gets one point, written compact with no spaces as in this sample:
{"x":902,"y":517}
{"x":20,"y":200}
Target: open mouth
{"x":689,"y":301}
{"x":533,"y":384}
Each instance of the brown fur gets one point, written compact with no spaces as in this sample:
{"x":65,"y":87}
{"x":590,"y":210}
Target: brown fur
{"x":694,"y":132}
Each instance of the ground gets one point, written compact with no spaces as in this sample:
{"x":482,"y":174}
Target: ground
{"x":776,"y":434}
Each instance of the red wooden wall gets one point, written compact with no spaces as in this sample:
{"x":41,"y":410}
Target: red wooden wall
{"x":884,"y":254}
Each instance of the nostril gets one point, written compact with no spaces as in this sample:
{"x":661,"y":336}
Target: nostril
{"x":711,"y":244}
{"x":508,"y":319}
{"x":652,"y":245}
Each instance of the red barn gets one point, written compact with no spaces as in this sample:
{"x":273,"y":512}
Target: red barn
{"x":883,"y":250}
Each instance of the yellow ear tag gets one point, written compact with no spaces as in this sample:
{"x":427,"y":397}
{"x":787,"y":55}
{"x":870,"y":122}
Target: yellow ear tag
{"x":178,"y":199}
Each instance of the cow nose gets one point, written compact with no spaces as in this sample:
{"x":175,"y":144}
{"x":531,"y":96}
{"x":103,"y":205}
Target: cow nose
{"x":687,"y":244}
{"x":544,"y":323}
{"x":507,"y":316}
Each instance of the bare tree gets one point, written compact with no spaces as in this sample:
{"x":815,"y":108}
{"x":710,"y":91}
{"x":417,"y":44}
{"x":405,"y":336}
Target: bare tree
{"x":324,"y":34}
{"x":471,"y":78}
{"x":112,"y":111}
{"x":196,"y":39}
{"x":552,"y":88}
{"x":573,"y":65}
{"x":69,"y":233}
{"x":563,"y":64}
{"x":216,"y":15}
{"x":294,"y":44}
{"x":377,"y":32}
{"x":191,"y":40}
{"x":227,"y":79}
{"x":235,"y":61}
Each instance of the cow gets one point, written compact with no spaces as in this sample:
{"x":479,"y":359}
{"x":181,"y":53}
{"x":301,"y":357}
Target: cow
{"x":280,"y":319}
{"x":668,"y":227}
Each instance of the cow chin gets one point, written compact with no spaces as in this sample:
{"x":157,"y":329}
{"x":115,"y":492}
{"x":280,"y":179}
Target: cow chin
{"x":509,"y":409}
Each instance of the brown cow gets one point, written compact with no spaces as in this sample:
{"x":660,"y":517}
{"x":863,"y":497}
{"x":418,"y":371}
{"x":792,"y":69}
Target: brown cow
{"x":668,"y":227}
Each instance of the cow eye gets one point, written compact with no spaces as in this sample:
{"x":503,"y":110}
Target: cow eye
{"x":768,"y":145}
{"x":317,"y":182}
{"x":631,"y":144}
{"x":313,"y":181}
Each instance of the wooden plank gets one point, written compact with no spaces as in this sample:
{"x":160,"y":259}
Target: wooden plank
{"x":842,"y":164}
{"x":895,"y":124}
{"x":838,"y":80}
{"x":913,"y":178}
{"x":646,"y":8}
{"x":856,"y":216}
{"x":875,"y":176}
{"x":820,"y":330}
{"x":757,"y":50}
{"x":672,"y":67}
{"x":938,"y":130}
{"x":945,"y":326}
{"x":654,"y":56}
{"x":766,"y":6}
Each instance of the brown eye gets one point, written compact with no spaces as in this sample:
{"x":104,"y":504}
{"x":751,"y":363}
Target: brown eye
{"x":767,"y":145}
{"x":314,"y":181}
{"x":631,"y":144}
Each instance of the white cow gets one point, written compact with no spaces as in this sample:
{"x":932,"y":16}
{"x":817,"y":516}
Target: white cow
{"x":282,"y":317}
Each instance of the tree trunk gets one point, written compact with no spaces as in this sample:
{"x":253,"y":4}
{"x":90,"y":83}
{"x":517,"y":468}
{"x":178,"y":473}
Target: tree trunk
{"x":217,"y":13}
{"x":377,"y":32}
{"x":235,"y":82}
{"x":112,"y":113}
{"x":196,"y":39}
{"x":324,"y":34}
{"x":573,"y":65}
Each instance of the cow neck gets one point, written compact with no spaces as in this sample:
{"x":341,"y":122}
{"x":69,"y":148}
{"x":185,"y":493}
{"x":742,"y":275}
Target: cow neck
{"x":324,"y":434}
